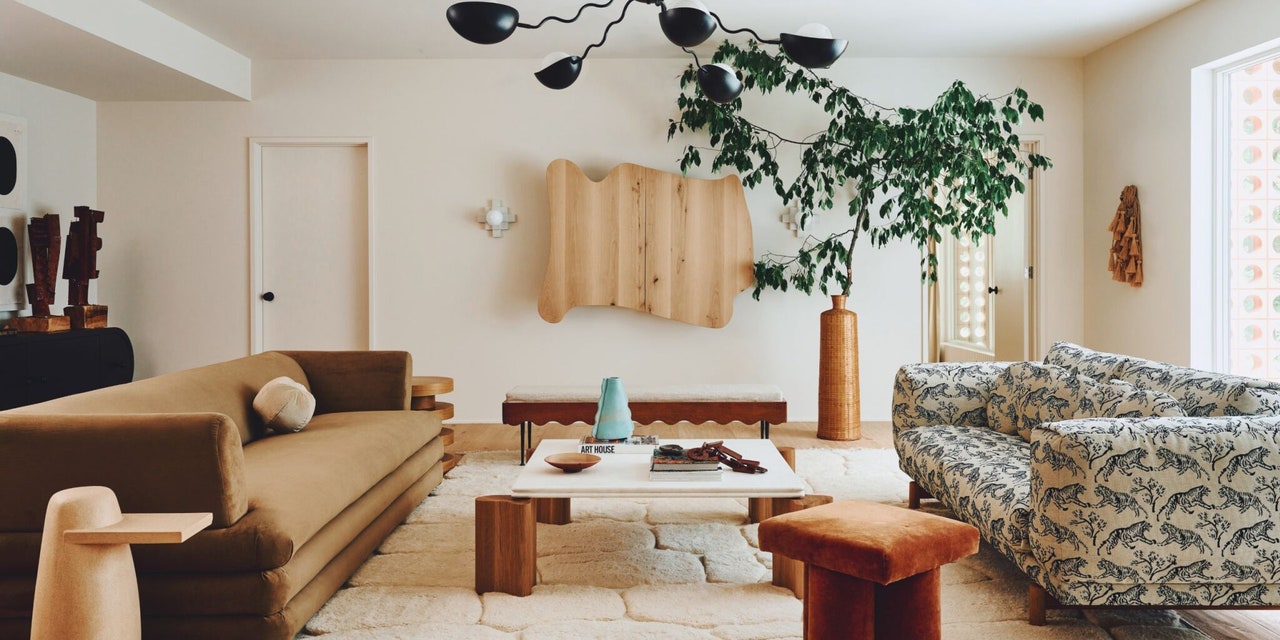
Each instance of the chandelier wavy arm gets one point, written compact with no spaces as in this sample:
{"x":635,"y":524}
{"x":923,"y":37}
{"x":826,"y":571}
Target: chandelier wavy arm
{"x":742,"y":30}
{"x":611,"y":25}
{"x":600,"y":5}
{"x":696,"y":62}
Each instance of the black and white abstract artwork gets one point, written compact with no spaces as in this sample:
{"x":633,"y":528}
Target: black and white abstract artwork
{"x":13,"y":217}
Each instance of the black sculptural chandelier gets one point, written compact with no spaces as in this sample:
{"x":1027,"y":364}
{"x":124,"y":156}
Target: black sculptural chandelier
{"x":686,"y":23}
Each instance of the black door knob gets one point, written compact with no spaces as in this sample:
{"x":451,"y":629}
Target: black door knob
{"x":268,"y":296}
{"x":989,"y":290}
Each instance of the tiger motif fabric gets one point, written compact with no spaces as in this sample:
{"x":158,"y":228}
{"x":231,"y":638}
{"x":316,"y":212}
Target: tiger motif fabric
{"x":1200,"y":393}
{"x":1157,"y":511}
{"x":1115,"y":510}
{"x":1086,"y":362}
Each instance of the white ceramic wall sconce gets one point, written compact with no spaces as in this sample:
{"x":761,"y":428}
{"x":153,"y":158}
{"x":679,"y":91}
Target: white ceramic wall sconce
{"x":496,"y":218}
{"x":793,"y":219}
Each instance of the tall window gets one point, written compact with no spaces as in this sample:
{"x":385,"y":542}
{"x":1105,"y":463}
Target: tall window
{"x":1253,"y":112}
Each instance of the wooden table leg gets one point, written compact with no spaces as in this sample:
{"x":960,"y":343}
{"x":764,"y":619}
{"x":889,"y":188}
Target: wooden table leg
{"x":506,"y":545}
{"x":761,"y":509}
{"x":788,"y":573}
{"x":553,"y":510}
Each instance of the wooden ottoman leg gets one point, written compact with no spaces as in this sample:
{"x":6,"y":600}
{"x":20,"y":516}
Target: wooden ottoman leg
{"x":553,"y":510}
{"x":789,"y":573}
{"x":838,"y":606}
{"x":506,"y":545}
{"x":910,"y":609}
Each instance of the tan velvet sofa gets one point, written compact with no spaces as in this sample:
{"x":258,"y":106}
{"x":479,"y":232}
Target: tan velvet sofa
{"x":294,"y":515}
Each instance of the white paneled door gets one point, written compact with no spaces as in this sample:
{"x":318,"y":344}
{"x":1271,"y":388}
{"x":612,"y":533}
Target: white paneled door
{"x":310,"y":221}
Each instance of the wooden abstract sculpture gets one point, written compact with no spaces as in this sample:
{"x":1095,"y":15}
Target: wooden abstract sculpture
{"x":1125,"y":260}
{"x":648,"y":240}
{"x":44,"y":237}
{"x":81,"y":266}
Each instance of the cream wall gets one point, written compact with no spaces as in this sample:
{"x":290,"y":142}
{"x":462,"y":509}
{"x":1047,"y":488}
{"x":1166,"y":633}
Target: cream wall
{"x":61,"y":151}
{"x":448,"y":135}
{"x":1139,"y":116}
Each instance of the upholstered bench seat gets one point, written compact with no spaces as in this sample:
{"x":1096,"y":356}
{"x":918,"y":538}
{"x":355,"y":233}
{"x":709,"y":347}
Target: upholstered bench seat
{"x":872,"y":569}
{"x":526,"y":406}
{"x":669,"y":393}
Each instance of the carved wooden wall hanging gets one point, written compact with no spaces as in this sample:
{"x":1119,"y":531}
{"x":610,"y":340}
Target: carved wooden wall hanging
{"x":1125,"y":260}
{"x":648,"y":240}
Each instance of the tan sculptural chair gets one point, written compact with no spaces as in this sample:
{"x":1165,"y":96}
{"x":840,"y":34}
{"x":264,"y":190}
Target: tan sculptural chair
{"x":85,"y":585}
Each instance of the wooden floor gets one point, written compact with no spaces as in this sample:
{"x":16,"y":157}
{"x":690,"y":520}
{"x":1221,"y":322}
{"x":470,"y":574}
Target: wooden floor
{"x":1221,"y":625}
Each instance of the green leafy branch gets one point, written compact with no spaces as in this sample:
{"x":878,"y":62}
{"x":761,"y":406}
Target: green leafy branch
{"x":910,"y":173}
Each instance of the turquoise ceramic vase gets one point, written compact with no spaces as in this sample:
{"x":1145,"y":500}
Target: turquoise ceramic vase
{"x":613,"y":414}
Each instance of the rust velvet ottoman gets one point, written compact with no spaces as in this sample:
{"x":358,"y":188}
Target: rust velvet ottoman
{"x":871,"y":570}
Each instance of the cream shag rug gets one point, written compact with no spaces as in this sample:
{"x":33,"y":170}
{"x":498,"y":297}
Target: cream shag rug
{"x":684,"y":569}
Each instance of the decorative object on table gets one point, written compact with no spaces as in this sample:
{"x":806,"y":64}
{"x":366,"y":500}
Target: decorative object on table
{"x":12,"y":261}
{"x":676,"y":459}
{"x":951,"y":167}
{"x":44,"y":237}
{"x":613,"y":414}
{"x":496,"y":218}
{"x":572,"y":462}
{"x":732,"y":459}
{"x":648,"y":240}
{"x":85,"y":585}
{"x":13,"y":162}
{"x":81,"y":266}
{"x":422,"y":392}
{"x":673,"y":462}
{"x":686,"y":23}
{"x":634,"y":445}
{"x":1125,"y":259}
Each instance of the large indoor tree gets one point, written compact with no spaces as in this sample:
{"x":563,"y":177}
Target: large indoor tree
{"x":908,"y":173}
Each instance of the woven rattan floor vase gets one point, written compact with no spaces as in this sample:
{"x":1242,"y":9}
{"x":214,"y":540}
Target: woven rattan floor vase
{"x":839,"y":407}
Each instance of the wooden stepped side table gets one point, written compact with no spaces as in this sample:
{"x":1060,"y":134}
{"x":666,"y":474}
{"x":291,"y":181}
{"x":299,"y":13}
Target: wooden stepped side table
{"x":423,"y":391}
{"x":85,"y":585}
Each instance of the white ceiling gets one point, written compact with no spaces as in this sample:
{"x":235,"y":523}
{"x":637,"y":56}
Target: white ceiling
{"x":378,"y":29}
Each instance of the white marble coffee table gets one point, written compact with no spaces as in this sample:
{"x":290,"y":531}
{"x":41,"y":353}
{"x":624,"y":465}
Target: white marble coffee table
{"x":506,"y":525}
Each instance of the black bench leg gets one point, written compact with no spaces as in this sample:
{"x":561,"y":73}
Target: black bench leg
{"x":764,"y":429}
{"x":526,"y":434}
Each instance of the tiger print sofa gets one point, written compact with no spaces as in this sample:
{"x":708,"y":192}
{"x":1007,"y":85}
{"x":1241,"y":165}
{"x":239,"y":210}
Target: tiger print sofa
{"x":1100,"y":503}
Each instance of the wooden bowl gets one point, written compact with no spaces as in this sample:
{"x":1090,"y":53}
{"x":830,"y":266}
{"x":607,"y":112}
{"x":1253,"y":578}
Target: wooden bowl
{"x":572,"y":462}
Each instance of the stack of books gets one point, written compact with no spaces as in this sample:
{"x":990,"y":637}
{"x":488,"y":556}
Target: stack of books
{"x":681,"y":469}
{"x":634,"y":444}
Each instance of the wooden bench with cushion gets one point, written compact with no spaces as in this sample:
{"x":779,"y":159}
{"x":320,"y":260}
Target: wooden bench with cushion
{"x":526,"y":406}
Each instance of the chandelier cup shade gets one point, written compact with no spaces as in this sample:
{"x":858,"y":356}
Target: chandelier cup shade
{"x":483,"y":22}
{"x":687,"y":26}
{"x":719,"y":82}
{"x":559,"y":70}
{"x":812,"y":52}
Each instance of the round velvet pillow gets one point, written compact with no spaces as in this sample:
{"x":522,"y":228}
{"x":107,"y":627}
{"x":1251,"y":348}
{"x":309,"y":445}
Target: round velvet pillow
{"x":285,"y":405}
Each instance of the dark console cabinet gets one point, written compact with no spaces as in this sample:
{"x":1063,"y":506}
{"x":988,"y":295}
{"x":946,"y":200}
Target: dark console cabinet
{"x":35,"y":367}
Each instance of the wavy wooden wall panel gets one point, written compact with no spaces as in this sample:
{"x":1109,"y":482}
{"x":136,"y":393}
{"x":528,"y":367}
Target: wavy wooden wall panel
{"x":647,"y":240}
